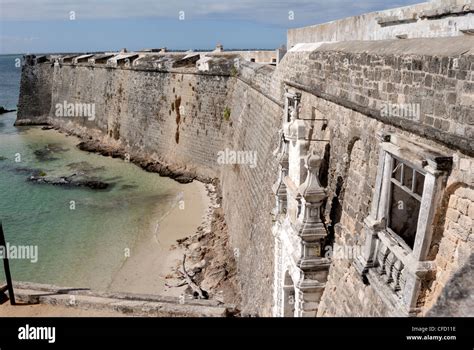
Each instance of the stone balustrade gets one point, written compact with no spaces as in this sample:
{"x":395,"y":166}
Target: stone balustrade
{"x":390,"y":263}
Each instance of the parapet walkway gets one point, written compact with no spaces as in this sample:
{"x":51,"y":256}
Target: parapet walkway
{"x":123,"y":303}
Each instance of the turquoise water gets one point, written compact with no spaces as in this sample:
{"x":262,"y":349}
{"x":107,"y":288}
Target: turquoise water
{"x":10,"y":73}
{"x":82,"y":234}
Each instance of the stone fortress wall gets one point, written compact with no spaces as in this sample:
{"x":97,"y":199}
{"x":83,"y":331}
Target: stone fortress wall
{"x":324,"y":142}
{"x":429,"y":19}
{"x":353,"y":166}
{"x":356,"y":78}
{"x":177,"y":117}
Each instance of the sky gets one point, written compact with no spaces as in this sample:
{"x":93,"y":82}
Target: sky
{"x":42,"y":26}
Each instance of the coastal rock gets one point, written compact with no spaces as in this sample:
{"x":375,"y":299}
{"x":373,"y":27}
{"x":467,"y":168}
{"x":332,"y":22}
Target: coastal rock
{"x":210,"y":257}
{"x":69,"y":181}
{"x":4,"y":110}
{"x":84,"y":167}
{"x":96,"y":147}
{"x":25,"y":170}
{"x":146,"y":164}
{"x":46,"y":154}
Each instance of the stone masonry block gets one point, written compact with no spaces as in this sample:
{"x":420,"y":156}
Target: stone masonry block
{"x":452,"y":214}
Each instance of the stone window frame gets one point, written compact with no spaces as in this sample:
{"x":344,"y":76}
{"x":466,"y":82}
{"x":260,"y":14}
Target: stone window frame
{"x":395,"y":270}
{"x":412,"y":192}
{"x":292,"y":105}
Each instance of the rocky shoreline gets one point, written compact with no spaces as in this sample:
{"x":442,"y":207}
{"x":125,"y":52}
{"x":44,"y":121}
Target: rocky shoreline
{"x":209,"y":258}
{"x":103,"y":145}
{"x":151,"y":166}
{"x":208,"y":255}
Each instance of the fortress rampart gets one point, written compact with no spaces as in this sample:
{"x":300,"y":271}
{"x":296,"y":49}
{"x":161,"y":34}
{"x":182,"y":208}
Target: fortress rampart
{"x":324,"y":224}
{"x":437,"y":18}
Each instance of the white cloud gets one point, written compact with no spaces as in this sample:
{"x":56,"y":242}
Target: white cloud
{"x":269,"y":11}
{"x":15,"y":39}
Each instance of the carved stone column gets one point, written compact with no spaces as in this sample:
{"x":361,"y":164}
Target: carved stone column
{"x":301,"y":274}
{"x":279,"y":187}
{"x":311,"y":231}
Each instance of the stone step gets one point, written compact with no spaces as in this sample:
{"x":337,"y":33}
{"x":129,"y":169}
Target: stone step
{"x":125,"y":303}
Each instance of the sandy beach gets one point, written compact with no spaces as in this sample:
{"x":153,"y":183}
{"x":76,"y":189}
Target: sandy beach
{"x":155,"y":255}
{"x":153,"y":258}
{"x":44,"y":310}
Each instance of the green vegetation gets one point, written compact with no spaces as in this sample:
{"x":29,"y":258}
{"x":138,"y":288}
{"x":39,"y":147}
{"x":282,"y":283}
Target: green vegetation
{"x":234,"y":71}
{"x":226,"y":114}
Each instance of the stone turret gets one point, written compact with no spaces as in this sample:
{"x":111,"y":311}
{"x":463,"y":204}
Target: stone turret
{"x":219,"y":48}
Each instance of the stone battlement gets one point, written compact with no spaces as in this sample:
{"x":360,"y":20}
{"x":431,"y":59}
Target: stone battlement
{"x":217,"y":61}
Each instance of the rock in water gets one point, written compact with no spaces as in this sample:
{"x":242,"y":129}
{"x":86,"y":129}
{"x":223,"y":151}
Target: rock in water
{"x":68,"y":181}
{"x":4,"y":110}
{"x":46,"y":153}
{"x":94,"y":184}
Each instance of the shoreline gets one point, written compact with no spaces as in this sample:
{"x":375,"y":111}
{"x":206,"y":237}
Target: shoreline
{"x":156,"y":255}
{"x":154,"y":266}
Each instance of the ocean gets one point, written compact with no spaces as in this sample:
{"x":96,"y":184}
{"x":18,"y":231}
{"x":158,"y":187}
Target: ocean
{"x":82,"y":236}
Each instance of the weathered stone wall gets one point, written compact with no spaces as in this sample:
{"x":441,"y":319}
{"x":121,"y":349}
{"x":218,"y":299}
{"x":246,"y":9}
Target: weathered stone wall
{"x":404,"y":22}
{"x":344,"y":88}
{"x":358,"y":191}
{"x":367,"y":76}
{"x":457,"y":241}
{"x":184,"y":117}
{"x":346,"y":295}
{"x":178,"y":118}
{"x":35,"y":92}
{"x":456,"y":298}
{"x":259,"y":56}
{"x":248,"y":198}
{"x":329,"y":90}
{"x":351,"y":179}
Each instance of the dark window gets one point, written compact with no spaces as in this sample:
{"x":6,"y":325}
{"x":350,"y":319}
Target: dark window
{"x":252,"y":60}
{"x":405,"y":200}
{"x":419,"y":183}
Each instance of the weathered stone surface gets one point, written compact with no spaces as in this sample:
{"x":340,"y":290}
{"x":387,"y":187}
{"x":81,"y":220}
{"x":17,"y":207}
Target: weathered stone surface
{"x":175,"y":120}
{"x":126,"y":303}
{"x":457,"y":299}
{"x":405,"y":22}
{"x":351,"y":76}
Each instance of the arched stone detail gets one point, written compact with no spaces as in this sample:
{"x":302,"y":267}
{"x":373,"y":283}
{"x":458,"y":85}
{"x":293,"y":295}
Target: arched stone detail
{"x":335,"y":205}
